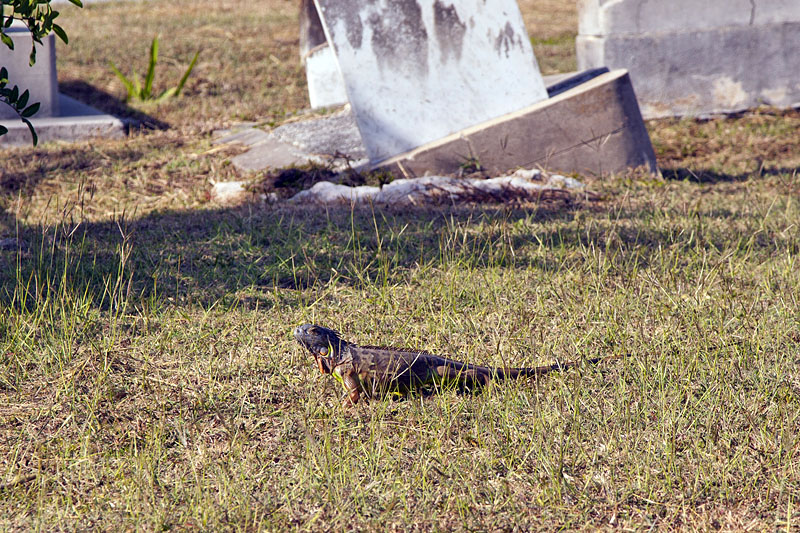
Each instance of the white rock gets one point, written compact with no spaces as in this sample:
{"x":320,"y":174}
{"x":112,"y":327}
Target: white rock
{"x":228,"y":191}
{"x":557,"y":181}
{"x":506,"y":182}
{"x":326,"y":192}
{"x":527,"y":173}
{"x":419,"y":191}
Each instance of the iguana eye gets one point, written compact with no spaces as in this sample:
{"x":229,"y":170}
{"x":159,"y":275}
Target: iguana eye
{"x":323,"y":351}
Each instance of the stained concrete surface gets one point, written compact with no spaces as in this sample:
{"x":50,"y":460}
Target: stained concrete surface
{"x":418,"y":70}
{"x":75,"y":121}
{"x":585,"y":126}
{"x":697,"y":58}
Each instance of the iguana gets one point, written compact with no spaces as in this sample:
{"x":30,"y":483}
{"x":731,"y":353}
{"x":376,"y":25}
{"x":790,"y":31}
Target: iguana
{"x":374,"y":371}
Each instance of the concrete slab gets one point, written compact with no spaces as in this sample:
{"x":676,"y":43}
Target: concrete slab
{"x":593,"y":128}
{"x":247,"y":136}
{"x":324,"y":138}
{"x":697,"y":58}
{"x":334,"y":135}
{"x":40,"y":79}
{"x":418,"y":70}
{"x":76,"y":121}
{"x":269,"y":153}
{"x":622,"y":17}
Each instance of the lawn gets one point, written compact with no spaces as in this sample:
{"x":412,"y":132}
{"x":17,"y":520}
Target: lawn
{"x":149,"y":379}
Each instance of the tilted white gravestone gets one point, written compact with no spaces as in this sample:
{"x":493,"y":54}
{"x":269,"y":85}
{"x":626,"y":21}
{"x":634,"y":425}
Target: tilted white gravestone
{"x":419,"y":70}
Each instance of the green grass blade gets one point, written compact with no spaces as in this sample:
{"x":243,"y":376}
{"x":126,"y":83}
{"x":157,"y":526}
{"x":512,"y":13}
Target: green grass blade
{"x":185,"y":77}
{"x":166,"y":94}
{"x":137,"y":86}
{"x":151,"y":70}
{"x":129,"y":86}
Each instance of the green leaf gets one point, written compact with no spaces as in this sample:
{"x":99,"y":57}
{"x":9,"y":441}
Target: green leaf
{"x":23,"y":99}
{"x":185,"y":77}
{"x":58,"y":30}
{"x":3,"y":130}
{"x":137,"y":86}
{"x":33,"y":131}
{"x":3,"y":76}
{"x":77,"y":2}
{"x":14,"y":94}
{"x":30,"y":110}
{"x":151,"y":69}
{"x":125,"y":81}
{"x":7,"y":40}
{"x":32,"y":59}
{"x":166,"y":94}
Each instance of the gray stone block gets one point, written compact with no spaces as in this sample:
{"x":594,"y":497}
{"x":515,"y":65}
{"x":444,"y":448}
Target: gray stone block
{"x":620,"y":17}
{"x":593,"y":128}
{"x":695,"y":58}
{"x":704,"y":71}
{"x":40,"y":79}
{"x":76,"y":122}
{"x":269,"y":153}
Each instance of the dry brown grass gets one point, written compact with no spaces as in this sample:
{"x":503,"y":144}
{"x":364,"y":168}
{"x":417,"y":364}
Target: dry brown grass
{"x":148,"y":379}
{"x":248,"y":68}
{"x":552,"y":26}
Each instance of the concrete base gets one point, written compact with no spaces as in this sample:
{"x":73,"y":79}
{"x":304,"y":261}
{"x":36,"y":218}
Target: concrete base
{"x":604,"y":124}
{"x":593,"y":128}
{"x":318,"y":140}
{"x":697,"y":58}
{"x":75,"y":121}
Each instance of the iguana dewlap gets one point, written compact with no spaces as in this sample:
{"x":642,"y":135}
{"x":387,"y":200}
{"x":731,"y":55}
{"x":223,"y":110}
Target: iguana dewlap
{"x":374,"y":371}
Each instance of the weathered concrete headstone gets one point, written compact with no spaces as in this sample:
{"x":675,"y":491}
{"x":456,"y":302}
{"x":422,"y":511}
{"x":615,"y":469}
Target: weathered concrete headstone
{"x":433,"y":86}
{"x":419,"y":70}
{"x":325,"y":83}
{"x":591,"y":127}
{"x":59,"y":117}
{"x":40,"y":79}
{"x":692,"y":58}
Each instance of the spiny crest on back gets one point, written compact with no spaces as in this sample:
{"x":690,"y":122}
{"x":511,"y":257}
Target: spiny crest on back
{"x":392,"y":348}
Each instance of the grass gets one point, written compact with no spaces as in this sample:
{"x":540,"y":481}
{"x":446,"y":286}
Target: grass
{"x":148,"y":379}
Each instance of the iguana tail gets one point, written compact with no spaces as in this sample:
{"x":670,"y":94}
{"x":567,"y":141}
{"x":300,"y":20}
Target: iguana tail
{"x":536,"y":371}
{"x":480,"y":376}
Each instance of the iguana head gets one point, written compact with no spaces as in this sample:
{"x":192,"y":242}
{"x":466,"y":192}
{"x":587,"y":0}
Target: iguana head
{"x":323,"y":343}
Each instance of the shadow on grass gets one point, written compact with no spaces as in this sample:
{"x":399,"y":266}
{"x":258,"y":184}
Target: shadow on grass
{"x":243,"y":254}
{"x":711,"y":177}
{"x":217,"y":254}
{"x":24,"y":172}
{"x":108,"y":103}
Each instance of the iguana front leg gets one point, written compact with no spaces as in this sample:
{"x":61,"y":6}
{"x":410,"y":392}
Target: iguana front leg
{"x":351,"y":387}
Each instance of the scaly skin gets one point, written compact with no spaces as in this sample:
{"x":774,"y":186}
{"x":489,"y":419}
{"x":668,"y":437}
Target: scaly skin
{"x":372,"y":371}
